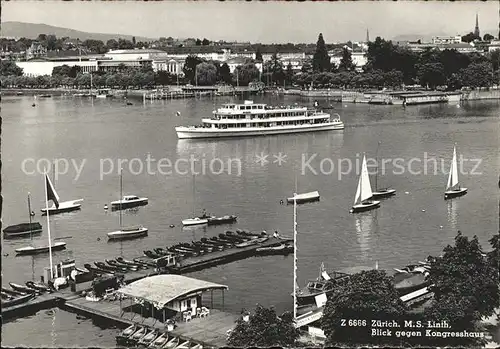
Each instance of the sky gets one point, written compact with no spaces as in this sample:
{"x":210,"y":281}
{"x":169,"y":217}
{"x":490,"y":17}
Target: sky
{"x":265,"y":22}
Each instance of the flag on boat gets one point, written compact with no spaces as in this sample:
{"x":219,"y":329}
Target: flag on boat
{"x":51,"y":192}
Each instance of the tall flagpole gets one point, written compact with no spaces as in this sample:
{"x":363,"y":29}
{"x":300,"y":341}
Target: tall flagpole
{"x":48,"y":228}
{"x":295,"y":251}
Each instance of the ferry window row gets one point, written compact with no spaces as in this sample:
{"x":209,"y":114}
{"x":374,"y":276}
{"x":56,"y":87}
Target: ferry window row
{"x":258,"y":116}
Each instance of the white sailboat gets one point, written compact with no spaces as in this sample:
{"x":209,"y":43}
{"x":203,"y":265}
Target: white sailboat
{"x":194,"y":220}
{"x":383,"y":192}
{"x":364,"y":192}
{"x":453,"y":188}
{"x":64,"y":206}
{"x":60,"y":245}
{"x":127,"y":232}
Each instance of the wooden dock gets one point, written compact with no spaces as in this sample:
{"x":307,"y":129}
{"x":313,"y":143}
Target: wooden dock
{"x":210,"y":331}
{"x":211,"y":259}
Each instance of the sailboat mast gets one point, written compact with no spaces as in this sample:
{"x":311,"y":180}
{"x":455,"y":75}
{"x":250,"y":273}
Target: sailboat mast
{"x":294,"y":256}
{"x":48,"y":229}
{"x":194,"y":193}
{"x":121,"y":196}
{"x":29,"y":214}
{"x":295,"y":250}
{"x":376,"y":173}
{"x":31,"y":238}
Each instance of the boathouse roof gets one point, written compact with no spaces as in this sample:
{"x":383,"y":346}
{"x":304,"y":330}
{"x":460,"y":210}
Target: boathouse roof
{"x":163,"y":289}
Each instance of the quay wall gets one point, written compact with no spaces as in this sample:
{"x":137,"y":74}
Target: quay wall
{"x":480,"y":94}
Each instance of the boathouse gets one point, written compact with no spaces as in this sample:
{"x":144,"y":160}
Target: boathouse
{"x":170,"y":297}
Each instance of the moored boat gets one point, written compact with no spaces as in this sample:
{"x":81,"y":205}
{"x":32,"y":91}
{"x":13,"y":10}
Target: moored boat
{"x":406,"y":283}
{"x":380,"y":193}
{"x":304,"y":197}
{"x":213,"y":220}
{"x":128,"y":233}
{"x":159,"y":341}
{"x":123,"y":335}
{"x":29,"y":250}
{"x":194,"y":221}
{"x":22,"y":229}
{"x":39,"y":287}
{"x":65,"y":206}
{"x":12,"y":292}
{"x":325,"y":283}
{"x":21,"y":288}
{"x":283,"y":248}
{"x":129,"y":201}
{"x":364,"y":192}
{"x":252,"y":242}
{"x":453,"y":188}
{"x":17,"y":300}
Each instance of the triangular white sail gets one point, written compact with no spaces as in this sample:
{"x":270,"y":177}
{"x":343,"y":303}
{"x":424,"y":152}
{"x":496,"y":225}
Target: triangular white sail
{"x":453,"y":176}
{"x":364,"y":190}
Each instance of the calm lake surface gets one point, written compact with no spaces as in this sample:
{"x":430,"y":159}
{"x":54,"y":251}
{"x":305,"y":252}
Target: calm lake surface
{"x":417,"y":222}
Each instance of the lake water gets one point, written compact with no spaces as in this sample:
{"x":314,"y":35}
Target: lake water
{"x":417,"y":222}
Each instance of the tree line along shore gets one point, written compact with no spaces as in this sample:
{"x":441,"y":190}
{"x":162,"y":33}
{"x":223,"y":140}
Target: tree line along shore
{"x":388,"y":66}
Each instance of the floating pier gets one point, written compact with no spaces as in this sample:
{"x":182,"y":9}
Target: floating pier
{"x":196,"y":263}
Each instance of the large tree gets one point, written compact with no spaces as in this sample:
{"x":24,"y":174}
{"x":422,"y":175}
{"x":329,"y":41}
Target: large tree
{"x":206,"y":74}
{"x":431,"y":75}
{"x":225,"y":73}
{"x":246,"y":73}
{"x":275,"y":67}
{"x":10,"y":68}
{"x":470,"y":37}
{"x":112,"y":44}
{"x":189,"y":67}
{"x":477,"y":75}
{"x":258,"y":55}
{"x":264,"y":329}
{"x":346,"y":63}
{"x":321,"y":60}
{"x":351,"y":306}
{"x":465,"y":286}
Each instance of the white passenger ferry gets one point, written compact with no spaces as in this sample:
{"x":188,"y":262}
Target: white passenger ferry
{"x":253,"y":119}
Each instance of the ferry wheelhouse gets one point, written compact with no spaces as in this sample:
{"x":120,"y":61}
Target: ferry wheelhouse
{"x":255,"y":119}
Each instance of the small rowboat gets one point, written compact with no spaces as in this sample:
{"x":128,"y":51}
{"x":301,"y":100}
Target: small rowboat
{"x":30,"y":250}
{"x":16,"y":301}
{"x":22,"y":229}
{"x":38,"y":286}
{"x":128,"y":233}
{"x":21,"y":288}
{"x":159,"y":341}
{"x":252,"y":242}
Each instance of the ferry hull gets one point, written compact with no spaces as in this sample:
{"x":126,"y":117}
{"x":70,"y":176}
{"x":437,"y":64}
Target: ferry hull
{"x":190,"y":133}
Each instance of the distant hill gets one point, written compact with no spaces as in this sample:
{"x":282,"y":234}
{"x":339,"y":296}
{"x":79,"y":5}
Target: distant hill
{"x":32,"y":30}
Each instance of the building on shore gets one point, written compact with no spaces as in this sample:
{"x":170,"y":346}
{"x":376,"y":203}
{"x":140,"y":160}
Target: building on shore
{"x":494,"y":45}
{"x":440,"y":40}
{"x":359,"y":57}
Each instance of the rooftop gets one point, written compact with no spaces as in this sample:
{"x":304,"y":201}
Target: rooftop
{"x":134,"y":51}
{"x":163,"y":289}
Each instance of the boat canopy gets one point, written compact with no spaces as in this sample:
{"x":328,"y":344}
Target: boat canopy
{"x":162,"y":289}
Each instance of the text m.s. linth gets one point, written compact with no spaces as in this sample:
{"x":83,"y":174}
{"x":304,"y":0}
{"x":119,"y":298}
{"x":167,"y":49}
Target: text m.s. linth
{"x":427,"y":324}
